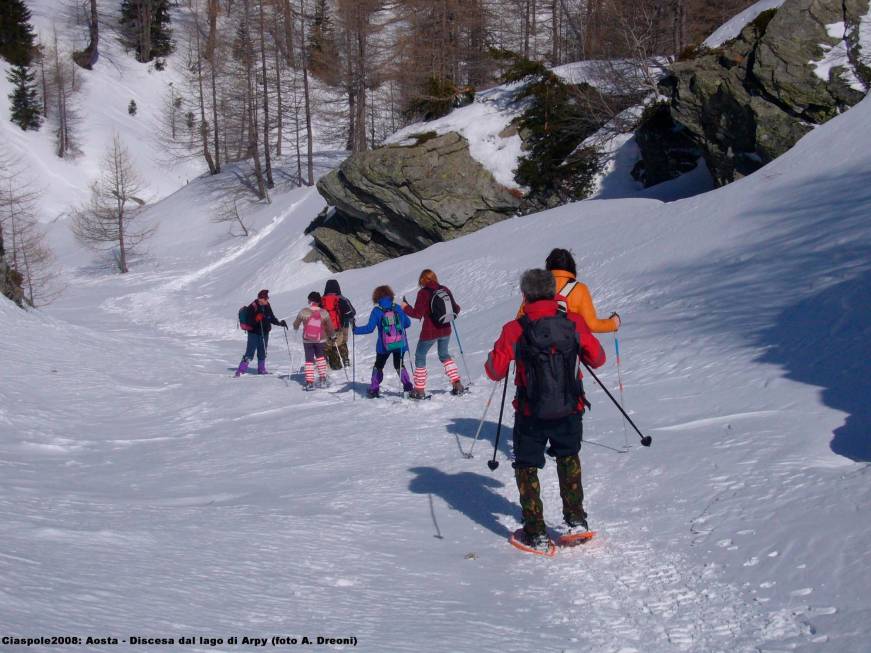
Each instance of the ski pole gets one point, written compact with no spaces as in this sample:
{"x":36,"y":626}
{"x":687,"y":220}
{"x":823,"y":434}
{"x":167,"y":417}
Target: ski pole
{"x":462,"y":354}
{"x":289,"y":353}
{"x":481,"y":423}
{"x":645,"y":439}
{"x":620,"y":384}
{"x":353,"y":363}
{"x":339,"y":354}
{"x":493,"y":464}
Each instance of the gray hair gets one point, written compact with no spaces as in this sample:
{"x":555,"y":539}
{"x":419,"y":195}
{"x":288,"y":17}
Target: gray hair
{"x":537,"y":284}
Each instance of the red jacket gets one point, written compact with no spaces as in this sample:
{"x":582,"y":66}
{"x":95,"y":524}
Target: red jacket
{"x":420,"y":310}
{"x":500,"y":358}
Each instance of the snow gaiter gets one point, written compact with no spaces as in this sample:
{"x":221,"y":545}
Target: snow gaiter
{"x":406,"y":380}
{"x":420,"y":379}
{"x":243,"y":367}
{"x":568,"y":469}
{"x":375,"y":383}
{"x":261,"y":366}
{"x":530,"y":500}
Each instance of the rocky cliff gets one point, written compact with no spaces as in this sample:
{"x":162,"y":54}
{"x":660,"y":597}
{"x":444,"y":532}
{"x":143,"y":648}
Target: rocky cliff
{"x":747,"y":102}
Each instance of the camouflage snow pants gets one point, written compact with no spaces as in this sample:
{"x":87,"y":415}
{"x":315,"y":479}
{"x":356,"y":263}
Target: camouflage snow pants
{"x":531,"y":436}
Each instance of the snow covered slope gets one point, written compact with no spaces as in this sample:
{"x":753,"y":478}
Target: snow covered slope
{"x":101,"y":105}
{"x":146,"y":492}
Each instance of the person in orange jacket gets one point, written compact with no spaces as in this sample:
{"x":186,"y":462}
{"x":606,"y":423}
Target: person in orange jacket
{"x":575,"y":294}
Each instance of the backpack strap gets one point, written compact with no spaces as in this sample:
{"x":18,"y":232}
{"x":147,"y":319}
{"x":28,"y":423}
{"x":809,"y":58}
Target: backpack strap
{"x":567,"y":289}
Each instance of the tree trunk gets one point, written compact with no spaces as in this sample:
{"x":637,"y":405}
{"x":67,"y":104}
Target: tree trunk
{"x":308,"y":113}
{"x":213,"y":30}
{"x":359,"y":144}
{"x":88,"y":57}
{"x":253,"y":121}
{"x":679,"y":26}
{"x":279,"y":120}
{"x":215,"y":129}
{"x":287,"y":10}
{"x":204,"y":125}
{"x":145,"y":14}
{"x":266,"y":152}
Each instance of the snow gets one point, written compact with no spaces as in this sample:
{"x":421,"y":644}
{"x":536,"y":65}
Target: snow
{"x":103,"y":99}
{"x":486,"y":126}
{"x":864,"y":42}
{"x":144,"y":491}
{"x":482,"y":123}
{"x":732,"y":28}
{"x":836,"y":59}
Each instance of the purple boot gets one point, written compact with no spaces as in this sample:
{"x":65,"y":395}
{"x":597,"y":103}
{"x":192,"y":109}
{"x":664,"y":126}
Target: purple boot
{"x":375,"y":384}
{"x":243,"y":367}
{"x":406,"y":380}
{"x":261,"y":367}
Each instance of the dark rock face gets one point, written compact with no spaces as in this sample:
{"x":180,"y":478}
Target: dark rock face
{"x":403,"y":198}
{"x":10,"y":280}
{"x":668,"y":149}
{"x":748,"y":102}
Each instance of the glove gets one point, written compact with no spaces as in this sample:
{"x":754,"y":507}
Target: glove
{"x":283,"y":323}
{"x":619,"y":321}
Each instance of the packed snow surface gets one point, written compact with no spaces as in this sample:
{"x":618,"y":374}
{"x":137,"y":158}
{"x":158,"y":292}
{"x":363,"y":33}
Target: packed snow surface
{"x":144,"y":491}
{"x":732,"y":28}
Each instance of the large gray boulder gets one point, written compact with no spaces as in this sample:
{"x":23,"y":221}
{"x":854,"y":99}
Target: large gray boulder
{"x":403,"y":198}
{"x":749,"y":101}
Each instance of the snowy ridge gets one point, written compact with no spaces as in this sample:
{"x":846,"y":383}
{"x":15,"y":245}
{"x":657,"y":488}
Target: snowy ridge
{"x":732,"y":28}
{"x":144,"y":490}
{"x":482,"y":123}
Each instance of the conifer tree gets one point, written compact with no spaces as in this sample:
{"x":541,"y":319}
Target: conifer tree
{"x":16,"y":34}
{"x":25,"y":101}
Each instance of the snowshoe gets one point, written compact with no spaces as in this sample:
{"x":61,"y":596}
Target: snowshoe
{"x":458,"y":388}
{"x":539,"y":544}
{"x":309,"y":386}
{"x":418,"y":394}
{"x":373,"y":394}
{"x":574,"y":532}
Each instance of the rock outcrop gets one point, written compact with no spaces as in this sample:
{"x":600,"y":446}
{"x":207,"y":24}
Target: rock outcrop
{"x":10,"y":280}
{"x":749,"y":101}
{"x":405,"y":197}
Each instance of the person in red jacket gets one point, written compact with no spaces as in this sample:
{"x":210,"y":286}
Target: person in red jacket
{"x":433,"y":333}
{"x":532,"y":432}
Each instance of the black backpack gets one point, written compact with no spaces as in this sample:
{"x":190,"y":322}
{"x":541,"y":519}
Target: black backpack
{"x":245,"y":318}
{"x":549,"y":350}
{"x":346,"y":310}
{"x":441,"y":308}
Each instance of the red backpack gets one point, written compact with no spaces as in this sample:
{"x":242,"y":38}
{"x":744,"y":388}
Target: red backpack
{"x":331,"y":305}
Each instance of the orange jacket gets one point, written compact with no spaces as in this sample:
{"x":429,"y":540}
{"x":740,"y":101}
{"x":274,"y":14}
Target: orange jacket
{"x":579,"y":301}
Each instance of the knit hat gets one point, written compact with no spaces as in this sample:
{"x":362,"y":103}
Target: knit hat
{"x":263,"y":294}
